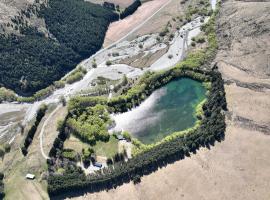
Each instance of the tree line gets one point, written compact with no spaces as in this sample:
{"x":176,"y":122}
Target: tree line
{"x":31,"y":133}
{"x":130,"y":9}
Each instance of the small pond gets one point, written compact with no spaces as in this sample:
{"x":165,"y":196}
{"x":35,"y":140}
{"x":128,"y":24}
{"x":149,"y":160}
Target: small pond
{"x":168,"y":109}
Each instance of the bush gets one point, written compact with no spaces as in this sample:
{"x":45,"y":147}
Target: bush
{"x":7,"y":95}
{"x":76,"y":75}
{"x":69,"y":154}
{"x":62,"y":100}
{"x":201,"y":40}
{"x":59,"y":84}
{"x":7,"y":148}
{"x":108,"y":63}
{"x":127,"y":135}
{"x":94,"y":64}
{"x":115,"y":54}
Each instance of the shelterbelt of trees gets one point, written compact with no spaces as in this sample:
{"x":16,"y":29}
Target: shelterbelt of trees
{"x":209,"y":129}
{"x":130,"y":9}
{"x":32,"y":131}
{"x":31,"y":61}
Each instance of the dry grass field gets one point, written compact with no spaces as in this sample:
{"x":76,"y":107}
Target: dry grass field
{"x":120,"y":28}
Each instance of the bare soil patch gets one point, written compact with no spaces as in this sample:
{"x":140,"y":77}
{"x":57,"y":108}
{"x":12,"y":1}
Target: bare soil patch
{"x":141,"y":61}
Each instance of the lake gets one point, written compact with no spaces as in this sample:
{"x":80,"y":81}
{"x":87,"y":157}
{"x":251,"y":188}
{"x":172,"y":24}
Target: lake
{"x":168,"y":109}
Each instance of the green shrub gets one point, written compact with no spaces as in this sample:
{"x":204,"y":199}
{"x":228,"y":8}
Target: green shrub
{"x":7,"y":95}
{"x":108,"y":62}
{"x":69,"y":154}
{"x":59,"y":84}
{"x":7,"y":148}
{"x":127,"y":135}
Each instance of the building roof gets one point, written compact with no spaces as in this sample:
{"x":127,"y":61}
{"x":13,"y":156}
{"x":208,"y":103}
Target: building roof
{"x":96,"y":164}
{"x":30,"y":176}
{"x":120,"y":137}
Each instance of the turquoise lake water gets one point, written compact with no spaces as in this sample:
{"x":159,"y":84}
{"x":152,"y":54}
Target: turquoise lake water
{"x":168,"y":109}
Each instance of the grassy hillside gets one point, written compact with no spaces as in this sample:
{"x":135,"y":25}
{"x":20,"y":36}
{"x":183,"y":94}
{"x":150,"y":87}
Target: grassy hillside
{"x":31,"y":61}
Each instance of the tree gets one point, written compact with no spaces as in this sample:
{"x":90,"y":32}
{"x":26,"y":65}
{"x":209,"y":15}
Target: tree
{"x":109,"y":161}
{"x":108,"y":63}
{"x":63,"y":100}
{"x":24,"y":150}
{"x":94,"y":64}
{"x":2,"y":153}
{"x":124,"y":80}
{"x":136,"y":179}
{"x":7,"y":148}
{"x":127,"y":136}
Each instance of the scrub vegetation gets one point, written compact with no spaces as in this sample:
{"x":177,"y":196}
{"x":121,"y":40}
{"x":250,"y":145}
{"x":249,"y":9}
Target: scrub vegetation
{"x":75,"y":76}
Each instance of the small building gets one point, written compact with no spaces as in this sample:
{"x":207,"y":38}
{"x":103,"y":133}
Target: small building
{"x":96,"y":164}
{"x":120,"y":137}
{"x":30,"y":176}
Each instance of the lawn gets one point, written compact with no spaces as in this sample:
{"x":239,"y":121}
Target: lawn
{"x":106,"y":149}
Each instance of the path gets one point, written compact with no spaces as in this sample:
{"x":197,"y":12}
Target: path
{"x":42,"y":131}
